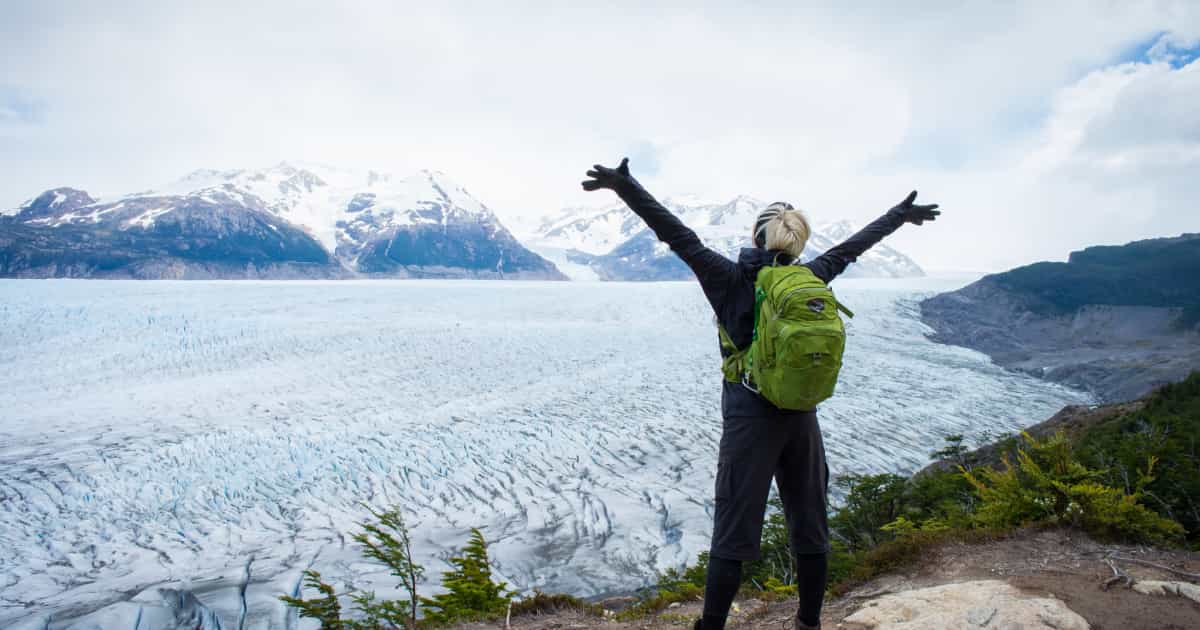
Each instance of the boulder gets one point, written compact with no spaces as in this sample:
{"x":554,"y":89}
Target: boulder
{"x":990,"y":604}
{"x":1157,"y":587}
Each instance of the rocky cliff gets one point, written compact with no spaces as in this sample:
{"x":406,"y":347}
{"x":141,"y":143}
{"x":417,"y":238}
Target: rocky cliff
{"x":1116,"y":321}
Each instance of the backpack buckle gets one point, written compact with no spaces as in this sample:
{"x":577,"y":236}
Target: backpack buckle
{"x":746,"y":382}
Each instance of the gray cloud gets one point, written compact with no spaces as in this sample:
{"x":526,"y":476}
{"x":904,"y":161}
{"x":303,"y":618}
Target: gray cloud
{"x":840,"y":111}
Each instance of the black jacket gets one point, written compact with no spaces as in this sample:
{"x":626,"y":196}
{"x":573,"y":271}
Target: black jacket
{"x":729,"y":286}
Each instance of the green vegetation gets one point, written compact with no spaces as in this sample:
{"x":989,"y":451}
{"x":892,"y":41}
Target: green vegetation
{"x":1155,"y":272}
{"x":542,"y":603}
{"x":1049,"y":485}
{"x":1166,"y":431}
{"x":470,"y":592}
{"x":387,"y":541}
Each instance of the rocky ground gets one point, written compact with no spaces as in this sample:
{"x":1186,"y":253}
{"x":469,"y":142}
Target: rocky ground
{"x":1033,"y":579}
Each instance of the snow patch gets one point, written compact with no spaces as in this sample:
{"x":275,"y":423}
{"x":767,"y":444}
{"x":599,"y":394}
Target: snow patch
{"x":146,"y":219}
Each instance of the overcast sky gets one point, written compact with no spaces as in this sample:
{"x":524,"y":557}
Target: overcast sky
{"x":1040,"y":127}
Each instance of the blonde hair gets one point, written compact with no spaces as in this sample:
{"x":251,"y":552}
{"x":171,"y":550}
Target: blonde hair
{"x":787,"y":231}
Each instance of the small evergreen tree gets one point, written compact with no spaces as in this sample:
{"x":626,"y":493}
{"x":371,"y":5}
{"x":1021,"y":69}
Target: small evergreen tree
{"x":471,"y":593}
{"x":325,"y":608}
{"x":954,"y":450}
{"x":871,"y":502}
{"x":386,"y":540}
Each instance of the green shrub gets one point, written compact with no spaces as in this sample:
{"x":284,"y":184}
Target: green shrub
{"x":881,"y":508}
{"x":470,"y":592}
{"x":324,"y":608}
{"x":1049,"y":485}
{"x":841,"y":561}
{"x":775,"y":587}
{"x":661,"y":598}
{"x":954,"y":450}
{"x":387,"y":541}
{"x":542,"y":603}
{"x":1167,"y":430}
{"x":872,"y":501}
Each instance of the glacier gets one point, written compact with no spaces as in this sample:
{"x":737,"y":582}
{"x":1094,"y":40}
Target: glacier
{"x":178,"y":452}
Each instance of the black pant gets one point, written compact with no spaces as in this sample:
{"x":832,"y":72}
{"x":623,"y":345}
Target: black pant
{"x":788,"y":447}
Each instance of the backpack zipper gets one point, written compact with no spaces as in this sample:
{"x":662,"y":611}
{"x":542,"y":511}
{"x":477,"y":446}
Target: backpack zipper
{"x":787,"y":296}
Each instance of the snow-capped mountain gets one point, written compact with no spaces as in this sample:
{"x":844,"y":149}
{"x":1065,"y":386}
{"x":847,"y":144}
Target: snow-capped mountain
{"x":283,"y":221}
{"x":590,"y":230}
{"x":612,"y":243}
{"x":880,"y":261}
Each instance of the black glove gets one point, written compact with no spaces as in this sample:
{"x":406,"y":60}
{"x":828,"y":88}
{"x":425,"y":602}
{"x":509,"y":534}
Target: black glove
{"x":913,"y":213}
{"x":611,"y":178}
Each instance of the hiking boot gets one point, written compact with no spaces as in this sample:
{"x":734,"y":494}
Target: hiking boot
{"x":800,"y":625}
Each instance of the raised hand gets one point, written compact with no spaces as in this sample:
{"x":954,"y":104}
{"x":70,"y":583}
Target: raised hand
{"x":914,"y":213}
{"x":611,"y":178}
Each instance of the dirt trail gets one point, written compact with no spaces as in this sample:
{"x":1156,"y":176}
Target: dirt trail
{"x":1065,"y":565}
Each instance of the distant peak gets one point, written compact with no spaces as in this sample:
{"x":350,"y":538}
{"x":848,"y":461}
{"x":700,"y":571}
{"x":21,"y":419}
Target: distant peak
{"x":55,"y":201}
{"x":437,"y":177}
{"x":741,"y":201}
{"x":441,"y":181}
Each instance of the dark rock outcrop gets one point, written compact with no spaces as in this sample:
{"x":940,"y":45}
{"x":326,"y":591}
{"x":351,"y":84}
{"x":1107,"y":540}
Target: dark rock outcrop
{"x":469,"y":248}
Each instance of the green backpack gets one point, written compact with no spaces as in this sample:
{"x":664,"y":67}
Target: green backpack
{"x":794,"y":357}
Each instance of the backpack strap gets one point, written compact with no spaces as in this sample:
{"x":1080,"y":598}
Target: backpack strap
{"x":733,"y":365}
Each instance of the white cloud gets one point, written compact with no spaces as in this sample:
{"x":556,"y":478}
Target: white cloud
{"x":1020,"y":119}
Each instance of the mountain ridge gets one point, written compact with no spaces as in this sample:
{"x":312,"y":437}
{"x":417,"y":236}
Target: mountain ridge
{"x":370,"y":224}
{"x":367,"y":223}
{"x":610,"y":242}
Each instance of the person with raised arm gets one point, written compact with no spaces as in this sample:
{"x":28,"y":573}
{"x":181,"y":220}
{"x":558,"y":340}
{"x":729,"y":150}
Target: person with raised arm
{"x":781,"y":340}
